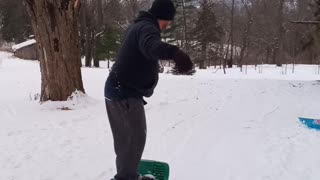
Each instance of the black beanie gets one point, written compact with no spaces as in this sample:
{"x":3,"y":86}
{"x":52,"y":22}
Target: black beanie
{"x":163,"y":9}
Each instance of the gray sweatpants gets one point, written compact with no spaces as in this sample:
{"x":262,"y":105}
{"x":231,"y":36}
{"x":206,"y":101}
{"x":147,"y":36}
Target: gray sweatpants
{"x":128,"y":124}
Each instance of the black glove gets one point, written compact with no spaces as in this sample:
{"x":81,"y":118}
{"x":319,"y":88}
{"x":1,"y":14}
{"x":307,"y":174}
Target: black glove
{"x":183,"y":63}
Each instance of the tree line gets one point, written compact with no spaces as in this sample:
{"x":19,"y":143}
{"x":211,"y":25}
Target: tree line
{"x":214,"y":32}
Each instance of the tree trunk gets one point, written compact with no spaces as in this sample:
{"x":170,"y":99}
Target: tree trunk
{"x":268,"y":55}
{"x":245,"y":43}
{"x":99,"y":22}
{"x":280,"y":44}
{"x":230,"y":61}
{"x":89,"y":47}
{"x":247,"y":31}
{"x":83,"y":27}
{"x":55,"y":25}
{"x":185,"y":27}
{"x":226,"y":59}
{"x":203,"y":56}
{"x":89,"y":34}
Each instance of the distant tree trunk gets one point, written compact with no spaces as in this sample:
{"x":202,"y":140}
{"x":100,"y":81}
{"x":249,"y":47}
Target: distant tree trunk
{"x":185,"y":27}
{"x":55,"y":25}
{"x":274,"y":56}
{"x":279,"y":54}
{"x":89,"y":47}
{"x":230,"y":61}
{"x":246,"y":35}
{"x":96,"y":60}
{"x":295,"y":52}
{"x":89,"y":34}
{"x":83,"y":27}
{"x":221,"y":53}
{"x":225,"y":61}
{"x":203,"y":56}
{"x":268,"y":55}
{"x":245,"y":43}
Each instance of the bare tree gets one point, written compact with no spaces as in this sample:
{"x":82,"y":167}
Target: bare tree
{"x":100,"y":29}
{"x":279,"y":51}
{"x":247,"y":31}
{"x":89,"y":26}
{"x":55,"y":24}
{"x":230,"y":61}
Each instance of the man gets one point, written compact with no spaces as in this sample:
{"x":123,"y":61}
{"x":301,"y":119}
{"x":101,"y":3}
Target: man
{"x":134,"y":76}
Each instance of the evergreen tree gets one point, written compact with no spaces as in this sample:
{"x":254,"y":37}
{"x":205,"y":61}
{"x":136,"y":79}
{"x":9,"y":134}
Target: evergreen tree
{"x":207,"y":32}
{"x":108,"y":45}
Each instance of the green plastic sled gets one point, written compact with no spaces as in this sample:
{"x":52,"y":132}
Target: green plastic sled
{"x":160,"y":170}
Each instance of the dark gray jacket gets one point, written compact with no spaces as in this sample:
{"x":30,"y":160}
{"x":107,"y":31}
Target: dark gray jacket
{"x":135,"y":72}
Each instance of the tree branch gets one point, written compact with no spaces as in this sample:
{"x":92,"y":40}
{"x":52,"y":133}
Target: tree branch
{"x":306,"y":22}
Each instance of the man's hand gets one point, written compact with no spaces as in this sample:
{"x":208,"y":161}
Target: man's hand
{"x":183,"y":64}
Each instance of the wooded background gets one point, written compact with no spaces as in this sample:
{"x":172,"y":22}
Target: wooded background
{"x":211,"y":31}
{"x":221,"y":33}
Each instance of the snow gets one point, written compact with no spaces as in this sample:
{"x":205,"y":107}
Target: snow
{"x":236,"y":126}
{"x":24,"y":44}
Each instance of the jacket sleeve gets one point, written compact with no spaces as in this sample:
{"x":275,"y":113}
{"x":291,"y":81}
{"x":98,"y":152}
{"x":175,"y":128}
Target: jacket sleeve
{"x":152,"y":47}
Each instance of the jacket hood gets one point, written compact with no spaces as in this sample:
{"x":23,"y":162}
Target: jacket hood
{"x":147,"y":16}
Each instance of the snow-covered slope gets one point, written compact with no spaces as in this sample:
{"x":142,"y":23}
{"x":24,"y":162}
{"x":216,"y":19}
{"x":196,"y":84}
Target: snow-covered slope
{"x":208,"y":126}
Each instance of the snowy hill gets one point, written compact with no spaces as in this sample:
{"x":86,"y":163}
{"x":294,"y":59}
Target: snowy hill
{"x":208,"y":126}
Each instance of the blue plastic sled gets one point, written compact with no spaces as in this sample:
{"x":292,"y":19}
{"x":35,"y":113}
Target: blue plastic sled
{"x":311,"y":123}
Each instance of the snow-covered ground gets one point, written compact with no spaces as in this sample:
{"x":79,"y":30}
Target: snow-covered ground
{"x":207,"y":126}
